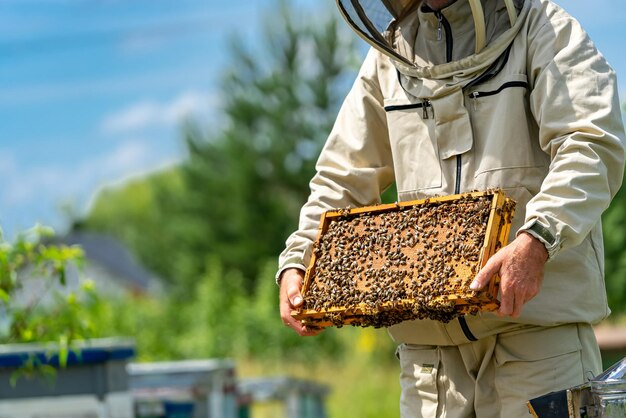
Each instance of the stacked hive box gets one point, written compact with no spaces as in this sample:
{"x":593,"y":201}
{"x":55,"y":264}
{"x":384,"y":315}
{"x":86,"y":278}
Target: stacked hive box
{"x":379,"y":265}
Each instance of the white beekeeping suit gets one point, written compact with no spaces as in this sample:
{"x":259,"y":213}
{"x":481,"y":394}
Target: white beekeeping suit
{"x":483,"y":94}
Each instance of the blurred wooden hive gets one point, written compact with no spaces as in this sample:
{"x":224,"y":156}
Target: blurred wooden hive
{"x":380,"y":265}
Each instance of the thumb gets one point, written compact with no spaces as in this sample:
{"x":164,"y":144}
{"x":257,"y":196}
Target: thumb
{"x":485,"y":274}
{"x":291,"y":283}
{"x":295,"y":298}
{"x":293,"y":294}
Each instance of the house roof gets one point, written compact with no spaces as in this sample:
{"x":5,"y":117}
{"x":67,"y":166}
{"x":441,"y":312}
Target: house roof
{"x":110,"y":254}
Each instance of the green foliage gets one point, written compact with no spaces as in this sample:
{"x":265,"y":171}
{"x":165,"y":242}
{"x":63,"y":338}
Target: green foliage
{"x":238,"y":193}
{"x":34,"y":368}
{"x":246,"y":183}
{"x":369,"y":388}
{"x":614,"y":225}
{"x":215,"y":319}
{"x":26,"y":319}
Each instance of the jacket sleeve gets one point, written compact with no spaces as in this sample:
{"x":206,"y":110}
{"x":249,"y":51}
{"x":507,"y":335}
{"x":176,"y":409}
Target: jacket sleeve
{"x":574,"y":101}
{"x":354,"y":167}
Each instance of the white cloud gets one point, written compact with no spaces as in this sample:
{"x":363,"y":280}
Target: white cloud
{"x":131,"y":158}
{"x":149,"y":114}
{"x":129,"y":155}
{"x":33,"y":194}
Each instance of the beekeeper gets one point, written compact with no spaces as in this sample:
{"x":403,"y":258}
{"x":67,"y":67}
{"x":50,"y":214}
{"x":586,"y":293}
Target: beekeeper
{"x":463,"y":95}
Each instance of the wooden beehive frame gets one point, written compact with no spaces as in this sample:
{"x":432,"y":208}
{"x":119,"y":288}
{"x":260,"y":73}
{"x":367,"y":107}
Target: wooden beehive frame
{"x":490,"y":230}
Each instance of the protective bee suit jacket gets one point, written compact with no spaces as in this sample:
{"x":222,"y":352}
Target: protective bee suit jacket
{"x":484,"y":94}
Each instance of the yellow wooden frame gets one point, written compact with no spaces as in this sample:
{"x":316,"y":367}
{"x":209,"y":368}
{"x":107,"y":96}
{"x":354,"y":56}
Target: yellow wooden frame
{"x":496,"y":237}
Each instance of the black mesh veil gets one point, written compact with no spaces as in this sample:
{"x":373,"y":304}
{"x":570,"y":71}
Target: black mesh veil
{"x":372,"y":19}
{"x":380,"y":23}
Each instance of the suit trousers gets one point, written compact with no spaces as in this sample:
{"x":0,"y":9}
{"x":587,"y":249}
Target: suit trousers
{"x":497,"y":375}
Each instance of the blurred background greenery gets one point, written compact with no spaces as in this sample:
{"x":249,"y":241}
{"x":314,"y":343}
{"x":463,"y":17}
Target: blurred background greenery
{"x":211,"y":228}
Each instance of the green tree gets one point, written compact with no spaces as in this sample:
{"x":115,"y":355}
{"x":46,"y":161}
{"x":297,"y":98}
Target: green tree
{"x":246,"y":183}
{"x":237,"y":194}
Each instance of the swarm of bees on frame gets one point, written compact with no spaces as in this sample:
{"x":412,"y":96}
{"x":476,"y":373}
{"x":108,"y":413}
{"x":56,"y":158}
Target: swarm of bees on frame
{"x":381,"y":268}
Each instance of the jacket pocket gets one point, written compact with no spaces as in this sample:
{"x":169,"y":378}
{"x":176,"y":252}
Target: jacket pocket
{"x":505,"y":131}
{"x":537,"y":343}
{"x":538,"y":360}
{"x":413,"y":145}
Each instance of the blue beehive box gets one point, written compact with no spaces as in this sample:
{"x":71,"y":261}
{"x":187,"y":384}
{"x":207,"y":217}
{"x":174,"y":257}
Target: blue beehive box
{"x":94,"y":379}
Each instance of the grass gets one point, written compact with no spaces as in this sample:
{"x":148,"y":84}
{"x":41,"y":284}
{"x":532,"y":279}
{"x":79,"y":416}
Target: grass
{"x":365,"y":384}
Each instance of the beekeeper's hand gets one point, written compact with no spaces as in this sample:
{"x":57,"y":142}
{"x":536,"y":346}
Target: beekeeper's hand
{"x":520,"y":265}
{"x":290,"y":298}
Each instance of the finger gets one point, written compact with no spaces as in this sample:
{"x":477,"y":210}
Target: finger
{"x":308,"y":331}
{"x":517,"y":309}
{"x":290,"y":299}
{"x":292,"y":289}
{"x":507,"y":301}
{"x":285,"y":314}
{"x":290,"y":321}
{"x":303,"y":330}
{"x":294,"y":297}
{"x":297,"y":326}
{"x":286,"y":308}
{"x":486,"y":273}
{"x":518,"y":304}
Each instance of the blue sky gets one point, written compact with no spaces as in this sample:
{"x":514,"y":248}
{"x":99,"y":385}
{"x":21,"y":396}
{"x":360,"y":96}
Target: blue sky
{"x":92,"y":92}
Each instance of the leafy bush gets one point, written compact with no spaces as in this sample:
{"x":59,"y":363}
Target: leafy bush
{"x":54,"y":312}
{"x":217,"y":318}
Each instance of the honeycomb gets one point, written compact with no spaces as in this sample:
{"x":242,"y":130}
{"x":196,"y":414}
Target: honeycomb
{"x":380,"y":265}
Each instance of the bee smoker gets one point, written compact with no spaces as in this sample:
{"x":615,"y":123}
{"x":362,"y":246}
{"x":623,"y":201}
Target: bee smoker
{"x":602,"y":397}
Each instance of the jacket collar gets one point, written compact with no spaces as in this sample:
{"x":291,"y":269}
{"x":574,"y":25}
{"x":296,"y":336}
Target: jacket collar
{"x":458,"y":15}
{"x":455,"y":72}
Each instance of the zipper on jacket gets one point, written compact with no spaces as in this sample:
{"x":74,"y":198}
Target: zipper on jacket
{"x":424,"y":105}
{"x":476,"y":94}
{"x":508,"y":84}
{"x":443,"y":23}
{"x":439,"y":28}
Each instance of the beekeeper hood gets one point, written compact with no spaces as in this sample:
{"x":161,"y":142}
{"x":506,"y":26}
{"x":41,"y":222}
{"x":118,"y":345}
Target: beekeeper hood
{"x":391,"y":26}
